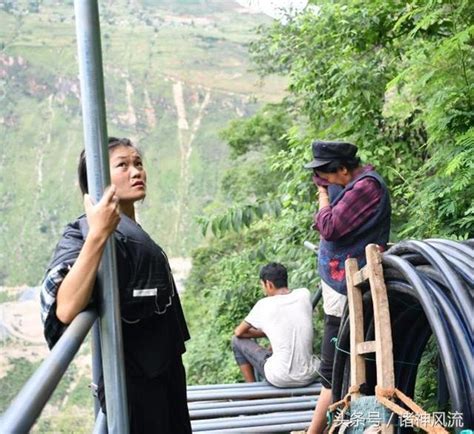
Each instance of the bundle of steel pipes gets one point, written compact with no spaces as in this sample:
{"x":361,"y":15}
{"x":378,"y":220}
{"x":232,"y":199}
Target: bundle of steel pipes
{"x":430,"y":288}
{"x":251,"y":407}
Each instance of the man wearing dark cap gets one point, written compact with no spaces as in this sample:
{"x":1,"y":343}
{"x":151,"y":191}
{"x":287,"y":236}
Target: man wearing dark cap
{"x":354,"y":211}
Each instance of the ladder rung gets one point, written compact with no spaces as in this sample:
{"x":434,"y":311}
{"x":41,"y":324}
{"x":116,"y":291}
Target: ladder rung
{"x":366,"y":347}
{"x":361,"y":276}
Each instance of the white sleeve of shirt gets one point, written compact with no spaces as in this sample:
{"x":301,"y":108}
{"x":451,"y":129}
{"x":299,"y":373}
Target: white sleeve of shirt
{"x":256,"y":315}
{"x":305,"y":291}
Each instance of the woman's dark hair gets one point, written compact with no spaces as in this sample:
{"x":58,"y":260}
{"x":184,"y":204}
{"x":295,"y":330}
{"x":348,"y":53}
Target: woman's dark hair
{"x":275,"y":273}
{"x":349,"y":164}
{"x":82,"y":169}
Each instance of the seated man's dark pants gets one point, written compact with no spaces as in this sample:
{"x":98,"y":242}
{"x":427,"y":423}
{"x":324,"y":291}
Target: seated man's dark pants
{"x":248,"y":351}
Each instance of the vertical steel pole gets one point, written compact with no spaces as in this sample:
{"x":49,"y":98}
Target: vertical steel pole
{"x":100,"y":426}
{"x":96,"y":364}
{"x":98,"y":172}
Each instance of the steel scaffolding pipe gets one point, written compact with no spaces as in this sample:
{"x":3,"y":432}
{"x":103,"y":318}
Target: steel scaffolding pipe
{"x":252,"y":408}
{"x":257,"y":384}
{"x":100,"y":426}
{"x":316,"y":297}
{"x":267,"y":392}
{"x":237,"y":387}
{"x":96,"y":366}
{"x":98,"y":178}
{"x":310,"y":246}
{"x":252,"y":421}
{"x":28,"y":404}
{"x":281,"y":427}
{"x":198,"y":405}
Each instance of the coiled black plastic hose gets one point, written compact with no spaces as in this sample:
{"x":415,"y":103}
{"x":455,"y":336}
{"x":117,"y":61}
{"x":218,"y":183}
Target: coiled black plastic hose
{"x":430,"y":288}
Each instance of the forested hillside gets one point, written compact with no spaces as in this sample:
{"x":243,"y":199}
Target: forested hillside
{"x":175,"y":73}
{"x":396,"y":78}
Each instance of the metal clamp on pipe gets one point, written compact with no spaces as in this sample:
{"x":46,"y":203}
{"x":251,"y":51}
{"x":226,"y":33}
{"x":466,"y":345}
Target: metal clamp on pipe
{"x":94,"y":389}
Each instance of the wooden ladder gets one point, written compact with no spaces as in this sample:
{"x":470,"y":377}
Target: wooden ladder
{"x":382,"y":345}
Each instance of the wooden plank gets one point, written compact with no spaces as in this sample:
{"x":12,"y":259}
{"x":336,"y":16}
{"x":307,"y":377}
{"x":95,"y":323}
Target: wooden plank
{"x":383,"y":330}
{"x":366,"y":347}
{"x":361,"y":277}
{"x":356,"y":321}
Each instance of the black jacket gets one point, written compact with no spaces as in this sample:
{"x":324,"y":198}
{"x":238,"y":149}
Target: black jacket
{"x":153,"y":325}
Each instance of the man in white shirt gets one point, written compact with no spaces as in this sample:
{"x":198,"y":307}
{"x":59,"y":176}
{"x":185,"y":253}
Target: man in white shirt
{"x":285,"y":317}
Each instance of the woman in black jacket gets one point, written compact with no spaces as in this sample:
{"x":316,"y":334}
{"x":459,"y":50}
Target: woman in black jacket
{"x":153,"y":326}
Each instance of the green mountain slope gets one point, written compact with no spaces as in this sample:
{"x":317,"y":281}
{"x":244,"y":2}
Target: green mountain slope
{"x":175,"y":73}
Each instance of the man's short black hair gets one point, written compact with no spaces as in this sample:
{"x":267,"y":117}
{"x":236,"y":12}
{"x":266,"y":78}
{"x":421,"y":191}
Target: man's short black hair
{"x":275,"y":273}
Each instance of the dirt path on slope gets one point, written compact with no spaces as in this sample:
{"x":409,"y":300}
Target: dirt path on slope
{"x":186,"y":136}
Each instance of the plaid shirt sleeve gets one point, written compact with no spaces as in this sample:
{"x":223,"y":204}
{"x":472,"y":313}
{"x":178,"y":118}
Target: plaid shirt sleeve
{"x":355,"y":207}
{"x":53,"y":328}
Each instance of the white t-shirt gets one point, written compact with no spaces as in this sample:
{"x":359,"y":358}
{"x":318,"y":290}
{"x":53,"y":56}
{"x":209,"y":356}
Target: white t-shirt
{"x":287,"y":321}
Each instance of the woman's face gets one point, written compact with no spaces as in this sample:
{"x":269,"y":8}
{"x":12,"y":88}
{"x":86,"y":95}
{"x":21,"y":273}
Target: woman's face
{"x":128,"y":174}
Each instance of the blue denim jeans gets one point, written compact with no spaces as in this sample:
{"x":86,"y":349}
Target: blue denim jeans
{"x":248,"y":351}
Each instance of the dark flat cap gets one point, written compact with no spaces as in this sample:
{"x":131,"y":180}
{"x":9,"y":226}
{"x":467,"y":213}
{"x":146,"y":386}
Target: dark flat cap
{"x":325,"y":152}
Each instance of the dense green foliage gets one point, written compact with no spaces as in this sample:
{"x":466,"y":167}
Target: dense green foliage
{"x":70,"y":408}
{"x":13,"y":379}
{"x":396,"y":78}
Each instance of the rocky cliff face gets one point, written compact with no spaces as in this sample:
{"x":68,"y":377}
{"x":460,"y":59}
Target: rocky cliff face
{"x":175,"y":73}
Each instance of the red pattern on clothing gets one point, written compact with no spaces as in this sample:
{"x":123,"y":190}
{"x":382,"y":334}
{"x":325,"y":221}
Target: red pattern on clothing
{"x":337,"y":273}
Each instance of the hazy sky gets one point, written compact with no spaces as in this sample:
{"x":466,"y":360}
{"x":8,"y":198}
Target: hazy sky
{"x":274,"y":8}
